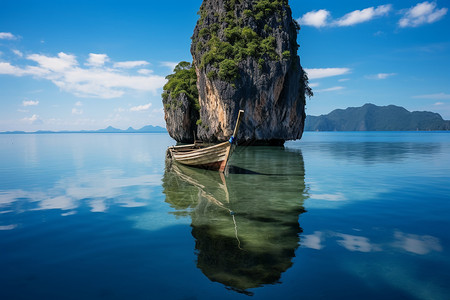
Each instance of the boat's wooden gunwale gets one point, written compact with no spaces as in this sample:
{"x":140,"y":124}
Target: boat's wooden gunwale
{"x":204,"y":158}
{"x":202,"y":151}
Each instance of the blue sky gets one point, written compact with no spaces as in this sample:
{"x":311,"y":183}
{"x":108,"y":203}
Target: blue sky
{"x":71,"y":65}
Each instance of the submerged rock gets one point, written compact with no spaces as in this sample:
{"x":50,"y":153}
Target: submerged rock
{"x":245,"y":57}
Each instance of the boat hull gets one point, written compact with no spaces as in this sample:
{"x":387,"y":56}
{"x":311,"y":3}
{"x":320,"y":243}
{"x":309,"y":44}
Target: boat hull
{"x":213,"y":157}
{"x":199,"y":155}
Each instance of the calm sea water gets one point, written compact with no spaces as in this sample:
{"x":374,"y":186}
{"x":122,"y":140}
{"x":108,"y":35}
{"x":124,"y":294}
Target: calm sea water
{"x":358,"y":215}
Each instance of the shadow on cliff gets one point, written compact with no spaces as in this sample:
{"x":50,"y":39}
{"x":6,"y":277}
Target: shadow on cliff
{"x":246,"y":224}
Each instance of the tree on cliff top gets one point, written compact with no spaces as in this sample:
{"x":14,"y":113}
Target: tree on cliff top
{"x":183,"y":80}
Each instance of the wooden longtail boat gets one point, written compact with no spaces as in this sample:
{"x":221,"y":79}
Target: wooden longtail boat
{"x":213,"y":157}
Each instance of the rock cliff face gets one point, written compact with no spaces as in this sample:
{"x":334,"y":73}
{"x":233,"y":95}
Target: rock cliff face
{"x":181,"y":115}
{"x":245,"y":57}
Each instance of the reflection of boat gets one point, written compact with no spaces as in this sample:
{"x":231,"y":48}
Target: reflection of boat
{"x":245,"y":225}
{"x":209,"y":157}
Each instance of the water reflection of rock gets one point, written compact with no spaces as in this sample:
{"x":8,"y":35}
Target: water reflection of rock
{"x":245,"y":224}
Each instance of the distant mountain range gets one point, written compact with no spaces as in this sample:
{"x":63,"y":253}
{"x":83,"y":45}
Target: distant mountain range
{"x":376,"y":118}
{"x":110,"y":129}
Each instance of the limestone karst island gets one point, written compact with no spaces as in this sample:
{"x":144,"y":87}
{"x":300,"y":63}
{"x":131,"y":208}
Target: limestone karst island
{"x":244,"y":57}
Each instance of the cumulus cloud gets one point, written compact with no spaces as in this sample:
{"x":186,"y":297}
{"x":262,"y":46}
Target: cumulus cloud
{"x":365,"y":15}
{"x":57,"y":64}
{"x":97,"y":80}
{"x":130,"y":64}
{"x":7,"y":36}
{"x":29,"y":103}
{"x":322,"y":17}
{"x":97,"y":60}
{"x":317,"y":18}
{"x":423,"y":13}
{"x":316,"y":73}
{"x":141,"y":107}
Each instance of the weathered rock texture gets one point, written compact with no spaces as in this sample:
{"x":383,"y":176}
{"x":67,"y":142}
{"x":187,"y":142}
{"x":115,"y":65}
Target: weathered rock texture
{"x":245,"y":57}
{"x":181,"y":117}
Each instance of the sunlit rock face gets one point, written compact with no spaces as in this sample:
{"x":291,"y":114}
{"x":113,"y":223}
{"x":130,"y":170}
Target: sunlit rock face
{"x":245,"y":57}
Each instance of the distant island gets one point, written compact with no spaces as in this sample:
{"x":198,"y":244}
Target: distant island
{"x":370,"y":117}
{"x":110,"y":129}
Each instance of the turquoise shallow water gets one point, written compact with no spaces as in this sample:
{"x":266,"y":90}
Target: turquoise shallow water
{"x":339,"y":215}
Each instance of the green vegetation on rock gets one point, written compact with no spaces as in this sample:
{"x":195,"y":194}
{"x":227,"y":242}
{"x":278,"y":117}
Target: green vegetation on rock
{"x":183,"y":80}
{"x":238,"y":40}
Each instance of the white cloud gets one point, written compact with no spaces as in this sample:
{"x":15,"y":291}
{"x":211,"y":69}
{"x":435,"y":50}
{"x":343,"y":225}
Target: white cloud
{"x":7,"y":36}
{"x":34,"y":120}
{"x":331,"y":89}
{"x":95,"y":81}
{"x":7,"y":68}
{"x":439,"y":103}
{"x":130,"y":64}
{"x":313,"y":241}
{"x":78,"y":103}
{"x":438,"y":96}
{"x":326,"y":72}
{"x":313,"y":84}
{"x":76,"y":111}
{"x":380,"y":76}
{"x":317,"y":18}
{"x":356,"y":243}
{"x":322,"y":17}
{"x":141,"y":107}
{"x":29,"y":103}
{"x":417,"y":244}
{"x":365,"y":15}
{"x":169,"y":64}
{"x":70,"y":194}
{"x":97,"y":60}
{"x":17,"y":52}
{"x":145,"y":71}
{"x":61,"y":63}
{"x":423,"y":13}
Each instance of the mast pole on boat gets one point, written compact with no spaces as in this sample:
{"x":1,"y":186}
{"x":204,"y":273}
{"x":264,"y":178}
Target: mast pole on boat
{"x":231,"y":141}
